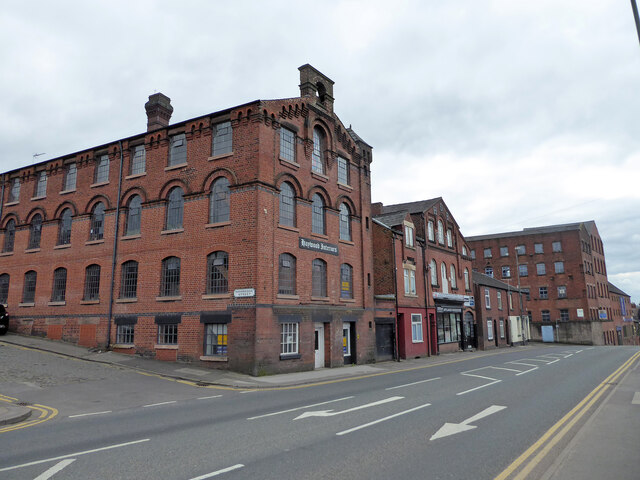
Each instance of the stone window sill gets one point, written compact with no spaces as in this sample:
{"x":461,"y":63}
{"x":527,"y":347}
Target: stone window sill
{"x":171,"y":232}
{"x":288,"y":297}
{"x":169,"y":299}
{"x":215,"y":296}
{"x":126,"y":300}
{"x":291,"y":229}
{"x":222,"y":155}
{"x":175,"y":167}
{"x":221,"y":358}
{"x":217,"y":224}
{"x":135,"y":175}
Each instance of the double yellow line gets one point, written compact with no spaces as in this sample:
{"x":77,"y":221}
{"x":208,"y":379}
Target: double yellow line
{"x":552,"y":436}
{"x":44,"y":413}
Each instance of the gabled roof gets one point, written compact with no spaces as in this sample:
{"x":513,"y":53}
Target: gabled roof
{"x":617,"y":291}
{"x":487,"y":281}
{"x":589,"y":224}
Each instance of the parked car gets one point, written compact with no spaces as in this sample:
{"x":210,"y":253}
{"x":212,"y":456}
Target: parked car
{"x":4,"y":320}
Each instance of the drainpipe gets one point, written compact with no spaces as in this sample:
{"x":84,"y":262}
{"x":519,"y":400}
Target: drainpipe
{"x":115,"y":249}
{"x":395,"y":294}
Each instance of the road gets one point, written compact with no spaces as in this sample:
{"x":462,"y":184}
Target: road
{"x":464,"y":419}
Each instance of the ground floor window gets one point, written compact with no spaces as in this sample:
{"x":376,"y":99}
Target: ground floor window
{"x":215,"y":339}
{"x":489,"y":329}
{"x":124,"y":334}
{"x":168,"y":334}
{"x":416,"y":328}
{"x":346,"y":339}
{"x":448,"y":327}
{"x":288,"y":338}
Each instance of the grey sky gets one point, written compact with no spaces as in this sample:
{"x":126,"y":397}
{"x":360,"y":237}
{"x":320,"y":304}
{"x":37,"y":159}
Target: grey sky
{"x":519,"y":114}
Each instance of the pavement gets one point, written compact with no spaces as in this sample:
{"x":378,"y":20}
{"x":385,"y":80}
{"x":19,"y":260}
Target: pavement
{"x":606,"y":443}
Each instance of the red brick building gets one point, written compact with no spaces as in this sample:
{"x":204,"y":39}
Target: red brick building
{"x":562,"y":271}
{"x":234,"y":239}
{"x":434,"y":278}
{"x":500,"y":317}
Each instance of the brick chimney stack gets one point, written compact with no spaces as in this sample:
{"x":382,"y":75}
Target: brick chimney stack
{"x":159,"y":111}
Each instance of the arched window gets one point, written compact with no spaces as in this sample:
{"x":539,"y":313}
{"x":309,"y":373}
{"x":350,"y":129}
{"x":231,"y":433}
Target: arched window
{"x":59,"y":290}
{"x":454,"y":281}
{"x":170,"y":283}
{"x":218,"y":273}
{"x":35,"y":231}
{"x":29,"y":288}
{"x":443,"y":277}
{"x":440,"y":232}
{"x":287,"y":205}
{"x":219,"y":201}
{"x":92,"y":282}
{"x":317,"y":215}
{"x":4,"y":288}
{"x":287,"y":274}
{"x":97,"y":222}
{"x":467,"y":285}
{"x":346,"y":281}
{"x":175,"y":209}
{"x":9,"y":236}
{"x":129,"y":280}
{"x":345,"y":222}
{"x":319,"y":278}
{"x":434,"y":272}
{"x":64,"y":227}
{"x":317,"y":165}
{"x":134,"y":216}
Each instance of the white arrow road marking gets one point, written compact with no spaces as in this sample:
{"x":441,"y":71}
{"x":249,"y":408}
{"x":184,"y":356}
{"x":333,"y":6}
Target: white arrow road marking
{"x":77,"y":454}
{"x":331,"y":413}
{"x":453,"y":428}
{"x":55,"y":469}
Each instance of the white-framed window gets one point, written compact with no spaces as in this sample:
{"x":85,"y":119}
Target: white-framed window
{"x":416,"y":328}
{"x":409,"y":281}
{"x":408,"y":235}
{"x":487,"y":298}
{"x":501,"y":328}
{"x":430,"y":232}
{"x":125,"y":334}
{"x":499,"y":295}
{"x":489,"y":329}
{"x":288,"y":338}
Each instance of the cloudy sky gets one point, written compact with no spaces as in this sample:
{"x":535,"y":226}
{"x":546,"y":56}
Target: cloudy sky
{"x":519,"y":114}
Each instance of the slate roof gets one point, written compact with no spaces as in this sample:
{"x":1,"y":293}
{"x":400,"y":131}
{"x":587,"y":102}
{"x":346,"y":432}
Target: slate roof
{"x":486,"y":280}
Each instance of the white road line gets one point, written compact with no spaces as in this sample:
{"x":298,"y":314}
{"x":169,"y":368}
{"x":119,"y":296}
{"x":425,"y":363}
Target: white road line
{"x":207,"y":398}
{"x":89,"y":414}
{"x":299,"y":408}
{"x":161,"y":403}
{"x":414,"y":383}
{"x":224,"y":470}
{"x":55,"y":469}
{"x":344,"y":432}
{"x":77,"y":454}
